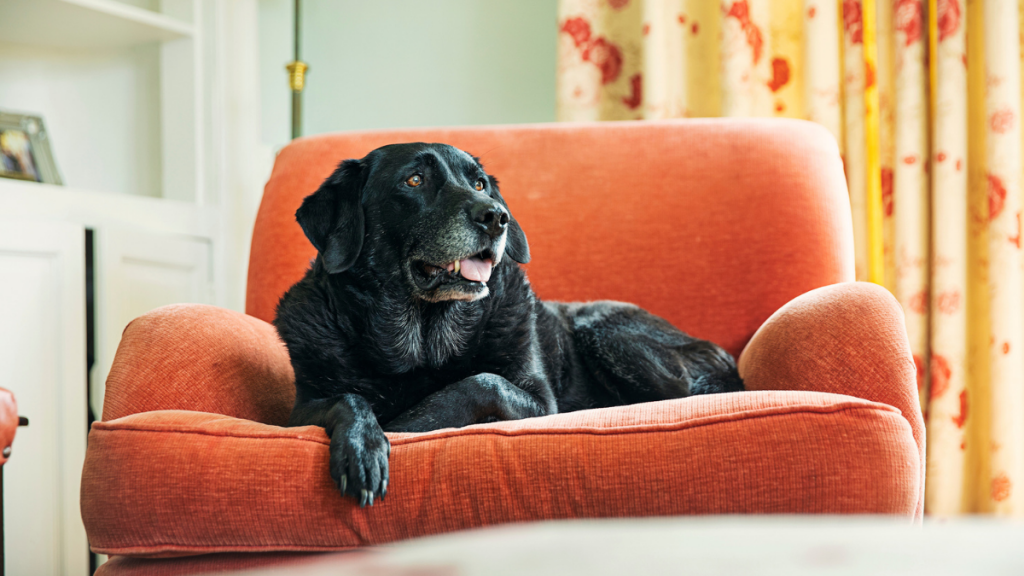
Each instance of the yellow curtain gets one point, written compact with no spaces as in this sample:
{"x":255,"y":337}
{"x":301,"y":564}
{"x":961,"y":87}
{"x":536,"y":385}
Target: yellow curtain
{"x":924,"y":98}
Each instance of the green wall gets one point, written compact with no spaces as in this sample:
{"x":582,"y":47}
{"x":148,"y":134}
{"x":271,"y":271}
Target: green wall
{"x":402,"y":63}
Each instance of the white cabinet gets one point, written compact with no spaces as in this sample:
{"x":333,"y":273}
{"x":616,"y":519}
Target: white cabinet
{"x":147,"y":252}
{"x":135,"y":272}
{"x":42,"y":360}
{"x":120,"y":88}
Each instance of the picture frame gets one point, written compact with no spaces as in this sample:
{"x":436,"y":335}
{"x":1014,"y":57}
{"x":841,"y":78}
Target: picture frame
{"x":25,"y":149}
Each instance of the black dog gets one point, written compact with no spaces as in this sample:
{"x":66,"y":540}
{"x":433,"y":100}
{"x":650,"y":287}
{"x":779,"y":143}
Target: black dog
{"x":415,"y":316}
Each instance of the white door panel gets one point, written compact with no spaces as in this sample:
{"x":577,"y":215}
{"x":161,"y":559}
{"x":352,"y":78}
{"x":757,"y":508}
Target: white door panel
{"x":42,"y":360}
{"x":138,"y":271}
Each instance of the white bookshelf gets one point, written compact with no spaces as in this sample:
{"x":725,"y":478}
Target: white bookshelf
{"x":86,"y":24}
{"x":122,"y":89}
{"x":152,"y":112}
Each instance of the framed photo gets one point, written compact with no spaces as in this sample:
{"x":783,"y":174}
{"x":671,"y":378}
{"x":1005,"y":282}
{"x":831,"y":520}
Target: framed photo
{"x":25,"y":149}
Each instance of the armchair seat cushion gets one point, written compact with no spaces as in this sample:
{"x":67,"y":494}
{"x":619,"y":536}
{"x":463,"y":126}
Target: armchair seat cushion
{"x":175,"y":482}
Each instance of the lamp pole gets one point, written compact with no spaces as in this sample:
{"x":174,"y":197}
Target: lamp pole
{"x":297,"y":76}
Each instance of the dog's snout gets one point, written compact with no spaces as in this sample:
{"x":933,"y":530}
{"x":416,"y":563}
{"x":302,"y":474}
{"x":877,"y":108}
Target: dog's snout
{"x":490,"y":216}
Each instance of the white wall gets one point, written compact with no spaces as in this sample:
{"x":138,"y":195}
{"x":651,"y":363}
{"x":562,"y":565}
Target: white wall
{"x":404,"y":63}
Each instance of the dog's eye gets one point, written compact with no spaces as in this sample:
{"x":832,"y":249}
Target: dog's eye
{"x":414,"y":180}
{"x":479,"y":185}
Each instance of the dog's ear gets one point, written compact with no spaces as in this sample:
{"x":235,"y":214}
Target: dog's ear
{"x":515,"y":246}
{"x":332,"y":217}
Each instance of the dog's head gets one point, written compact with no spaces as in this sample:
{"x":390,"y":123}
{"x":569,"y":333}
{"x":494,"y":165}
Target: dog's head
{"x":428,"y":212}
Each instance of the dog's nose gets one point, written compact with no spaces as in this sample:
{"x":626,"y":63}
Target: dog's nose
{"x":491,"y":216}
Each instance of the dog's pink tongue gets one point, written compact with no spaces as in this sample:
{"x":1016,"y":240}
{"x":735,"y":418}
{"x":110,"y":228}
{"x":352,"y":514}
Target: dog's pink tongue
{"x":475,"y":269}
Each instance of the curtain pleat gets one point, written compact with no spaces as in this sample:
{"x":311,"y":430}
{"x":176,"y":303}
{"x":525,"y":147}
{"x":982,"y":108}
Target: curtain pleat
{"x":924,"y":99}
{"x":664,"y":65}
{"x":745,"y":54}
{"x":822,"y":63}
{"x":600,"y":60}
{"x":1006,"y":313}
{"x":886,"y":137}
{"x":701,"y":21}
{"x":855,"y":157}
{"x":786,"y":63}
{"x":910,"y":179}
{"x":948,"y":400}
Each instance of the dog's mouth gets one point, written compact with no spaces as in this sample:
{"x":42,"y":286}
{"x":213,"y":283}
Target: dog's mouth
{"x":462,"y":279}
{"x":475,"y":268}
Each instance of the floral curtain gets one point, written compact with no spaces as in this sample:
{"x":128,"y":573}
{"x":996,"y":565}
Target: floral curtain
{"x":924,"y":99}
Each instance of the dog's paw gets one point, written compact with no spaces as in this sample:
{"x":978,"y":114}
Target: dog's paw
{"x":359,"y":463}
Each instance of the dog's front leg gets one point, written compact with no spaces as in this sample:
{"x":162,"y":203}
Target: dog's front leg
{"x":481,"y":398}
{"x":359,"y":450}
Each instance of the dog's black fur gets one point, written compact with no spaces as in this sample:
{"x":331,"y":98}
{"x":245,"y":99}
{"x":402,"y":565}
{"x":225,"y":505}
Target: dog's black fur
{"x":384,"y":335}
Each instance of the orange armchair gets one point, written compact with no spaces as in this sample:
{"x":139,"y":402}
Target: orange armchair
{"x":737,"y":231}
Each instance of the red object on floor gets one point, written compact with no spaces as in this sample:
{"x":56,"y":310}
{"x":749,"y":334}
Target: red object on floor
{"x":738,"y":231}
{"x":8,"y":422}
{"x":8,"y":428}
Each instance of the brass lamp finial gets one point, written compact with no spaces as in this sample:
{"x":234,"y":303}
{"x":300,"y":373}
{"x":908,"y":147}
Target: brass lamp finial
{"x":297,"y":75}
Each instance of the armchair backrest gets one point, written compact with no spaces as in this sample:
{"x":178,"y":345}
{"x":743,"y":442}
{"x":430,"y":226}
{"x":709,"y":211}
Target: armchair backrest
{"x":712,"y":224}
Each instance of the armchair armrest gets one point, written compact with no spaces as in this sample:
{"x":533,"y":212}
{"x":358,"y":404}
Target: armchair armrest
{"x":203,"y":359}
{"x":847,"y":338}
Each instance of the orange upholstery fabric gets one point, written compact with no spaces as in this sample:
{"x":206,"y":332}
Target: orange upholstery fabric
{"x":844,"y":339}
{"x":204,"y":359}
{"x":715,"y":224}
{"x":710,"y":224}
{"x":823,"y":453}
